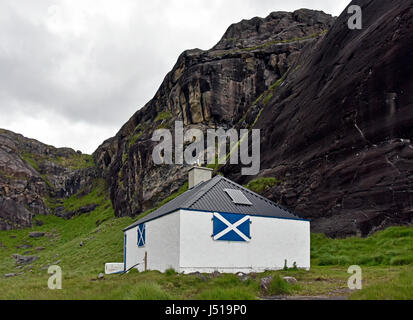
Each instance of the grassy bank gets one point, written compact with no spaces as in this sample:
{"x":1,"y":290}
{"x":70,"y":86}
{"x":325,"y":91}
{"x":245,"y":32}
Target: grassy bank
{"x":82,"y":245}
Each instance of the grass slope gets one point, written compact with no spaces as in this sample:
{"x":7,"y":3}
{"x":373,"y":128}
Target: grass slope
{"x":385,"y":258}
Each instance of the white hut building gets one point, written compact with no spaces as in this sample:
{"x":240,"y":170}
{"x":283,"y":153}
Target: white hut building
{"x":217,"y":225}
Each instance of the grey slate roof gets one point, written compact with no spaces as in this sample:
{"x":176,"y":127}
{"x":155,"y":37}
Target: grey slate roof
{"x":210,"y":196}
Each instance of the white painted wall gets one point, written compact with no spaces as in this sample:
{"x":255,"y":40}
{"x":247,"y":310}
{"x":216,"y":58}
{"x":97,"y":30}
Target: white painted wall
{"x":273,"y":241}
{"x":183,"y":241}
{"x":162,"y":244}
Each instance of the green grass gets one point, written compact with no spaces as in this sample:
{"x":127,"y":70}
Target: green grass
{"x":262,"y":185}
{"x":399,"y":287}
{"x":275,"y":42}
{"x":164,"y":115}
{"x":97,"y":195}
{"x":384,"y":258}
{"x":75,"y":162}
{"x":392,"y":247}
{"x":135,"y":138}
{"x":31,"y":160}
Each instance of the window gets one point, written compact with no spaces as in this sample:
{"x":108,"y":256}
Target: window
{"x":231,"y":227}
{"x":238,"y":197}
{"x":141,"y":235}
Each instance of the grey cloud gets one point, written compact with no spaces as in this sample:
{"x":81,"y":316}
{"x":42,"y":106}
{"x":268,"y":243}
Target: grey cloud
{"x":97,"y":67}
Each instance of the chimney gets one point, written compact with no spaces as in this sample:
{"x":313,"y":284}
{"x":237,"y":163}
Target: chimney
{"x":197,"y":175}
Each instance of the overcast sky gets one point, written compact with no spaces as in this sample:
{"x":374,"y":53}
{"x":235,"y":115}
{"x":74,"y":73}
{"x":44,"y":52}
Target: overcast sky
{"x":73,"y":71}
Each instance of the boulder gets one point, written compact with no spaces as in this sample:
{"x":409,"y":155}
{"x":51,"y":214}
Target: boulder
{"x":24,"y":246}
{"x":243,"y":276}
{"x":20,"y":259}
{"x":10,"y":275}
{"x":13,"y":213}
{"x":265,"y":283}
{"x":60,"y":212}
{"x":36,"y":234}
{"x":290,"y":280}
{"x":199,"y":275}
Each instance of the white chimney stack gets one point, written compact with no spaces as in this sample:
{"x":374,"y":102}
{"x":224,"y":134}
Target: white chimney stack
{"x":197,"y":175}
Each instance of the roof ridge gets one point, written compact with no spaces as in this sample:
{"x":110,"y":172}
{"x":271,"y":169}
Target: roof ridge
{"x":203,"y":192}
{"x":259,"y":196}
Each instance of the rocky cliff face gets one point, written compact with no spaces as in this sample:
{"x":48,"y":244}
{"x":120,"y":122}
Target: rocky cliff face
{"x":205,"y":89}
{"x":338,"y":131}
{"x":335,"y":112}
{"x":334,"y":107}
{"x":31,"y":173}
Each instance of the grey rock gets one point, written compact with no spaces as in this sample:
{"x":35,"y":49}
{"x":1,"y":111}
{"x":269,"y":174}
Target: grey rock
{"x":243,"y":276}
{"x":265,"y":283}
{"x":10,"y":275}
{"x":199,"y":275}
{"x":25,"y":246}
{"x":36,"y":234}
{"x":39,"y":223}
{"x":101,"y":276}
{"x":205,"y":89}
{"x":22,"y":185}
{"x":21,"y":260}
{"x":14,"y":213}
{"x":60,"y":212}
{"x":45,"y":267}
{"x":290,"y":280}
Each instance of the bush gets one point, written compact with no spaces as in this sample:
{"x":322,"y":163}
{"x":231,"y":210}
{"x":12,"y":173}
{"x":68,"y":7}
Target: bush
{"x":170,"y":272}
{"x":261,"y":185}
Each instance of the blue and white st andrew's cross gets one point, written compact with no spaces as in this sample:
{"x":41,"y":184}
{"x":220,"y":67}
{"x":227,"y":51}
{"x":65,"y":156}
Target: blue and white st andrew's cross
{"x":231,"y":227}
{"x":141,"y":235}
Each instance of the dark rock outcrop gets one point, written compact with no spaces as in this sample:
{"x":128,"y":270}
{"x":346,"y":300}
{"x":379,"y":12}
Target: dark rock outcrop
{"x":23,"y":260}
{"x":31,"y":172}
{"x":205,"y":89}
{"x":338,"y":132}
{"x":60,"y":212}
{"x":13,"y":214}
{"x":36,"y":234}
{"x":335,"y":113}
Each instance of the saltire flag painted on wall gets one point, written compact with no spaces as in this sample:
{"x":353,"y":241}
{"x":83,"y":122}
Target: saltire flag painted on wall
{"x":141,"y":235}
{"x":231,"y":227}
